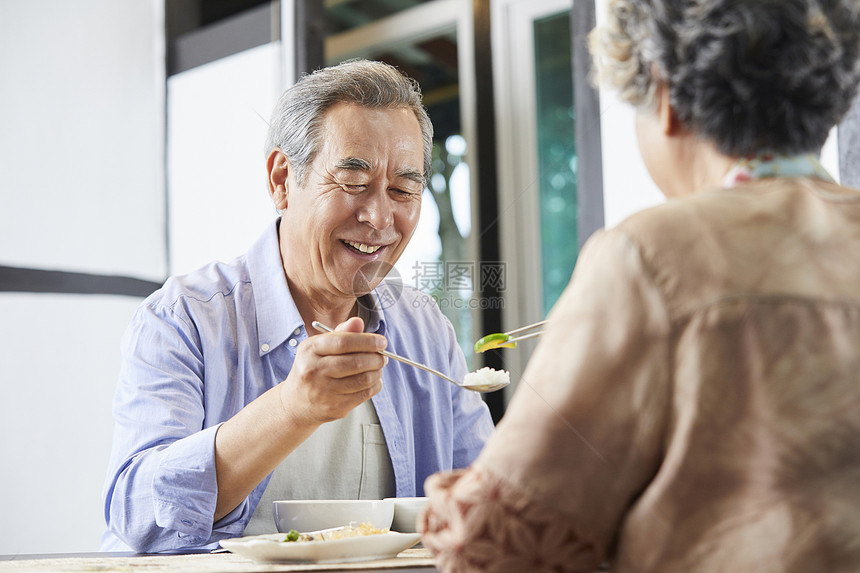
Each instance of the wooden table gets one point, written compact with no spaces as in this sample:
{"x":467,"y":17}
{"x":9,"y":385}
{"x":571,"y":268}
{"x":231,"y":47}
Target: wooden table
{"x":409,"y":561}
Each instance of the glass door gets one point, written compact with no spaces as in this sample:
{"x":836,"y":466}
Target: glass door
{"x":537,"y":158}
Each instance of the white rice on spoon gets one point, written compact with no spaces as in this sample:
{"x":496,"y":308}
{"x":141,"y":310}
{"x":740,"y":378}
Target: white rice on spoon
{"x":486,"y":377}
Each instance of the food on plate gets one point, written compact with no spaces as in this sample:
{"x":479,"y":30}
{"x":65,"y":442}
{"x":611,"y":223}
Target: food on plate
{"x":337,"y":533}
{"x":486,"y":377}
{"x":495,"y":340}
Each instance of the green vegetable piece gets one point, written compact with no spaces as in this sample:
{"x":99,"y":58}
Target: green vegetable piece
{"x":293,"y":535}
{"x":495,"y":340}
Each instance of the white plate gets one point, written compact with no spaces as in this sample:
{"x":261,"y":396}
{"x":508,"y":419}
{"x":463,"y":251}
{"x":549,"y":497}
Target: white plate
{"x":272,"y":548}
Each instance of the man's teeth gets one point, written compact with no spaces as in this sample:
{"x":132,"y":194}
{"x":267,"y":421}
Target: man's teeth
{"x":362,"y":247}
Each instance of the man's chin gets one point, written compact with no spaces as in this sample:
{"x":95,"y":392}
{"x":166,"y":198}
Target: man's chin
{"x":369,"y":276}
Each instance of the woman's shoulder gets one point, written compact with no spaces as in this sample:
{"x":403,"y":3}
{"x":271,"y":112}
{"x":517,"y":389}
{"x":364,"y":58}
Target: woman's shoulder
{"x":738,"y":215}
{"x":708,"y":220}
{"x":684,"y":247}
{"x":769,"y":237}
{"x":675,"y":216}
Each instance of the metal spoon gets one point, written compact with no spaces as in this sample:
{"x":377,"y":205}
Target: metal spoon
{"x":473,"y":387}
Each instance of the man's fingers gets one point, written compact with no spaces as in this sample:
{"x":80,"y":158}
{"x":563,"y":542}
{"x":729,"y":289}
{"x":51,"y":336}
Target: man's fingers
{"x":336,"y":371}
{"x":339,"y":405}
{"x":357,"y":383}
{"x":354,"y":324}
{"x":341,"y":342}
{"x":346,"y":365}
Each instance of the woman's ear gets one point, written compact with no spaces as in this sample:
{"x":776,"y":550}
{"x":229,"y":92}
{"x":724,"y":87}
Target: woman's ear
{"x":669,"y":123}
{"x":278,"y":169}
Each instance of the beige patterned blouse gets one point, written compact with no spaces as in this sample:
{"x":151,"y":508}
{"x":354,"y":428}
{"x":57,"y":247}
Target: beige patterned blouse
{"x":694,"y":405}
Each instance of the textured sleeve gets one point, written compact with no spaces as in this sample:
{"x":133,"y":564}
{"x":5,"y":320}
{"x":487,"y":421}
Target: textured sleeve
{"x":478,"y":522}
{"x":582,"y":437}
{"x":161,"y":489}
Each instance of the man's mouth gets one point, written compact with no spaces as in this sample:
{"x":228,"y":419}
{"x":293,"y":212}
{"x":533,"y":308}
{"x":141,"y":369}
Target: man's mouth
{"x":362,"y":248}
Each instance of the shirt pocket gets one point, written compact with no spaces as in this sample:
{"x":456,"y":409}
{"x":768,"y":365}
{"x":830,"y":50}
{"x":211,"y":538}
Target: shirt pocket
{"x":377,"y":473}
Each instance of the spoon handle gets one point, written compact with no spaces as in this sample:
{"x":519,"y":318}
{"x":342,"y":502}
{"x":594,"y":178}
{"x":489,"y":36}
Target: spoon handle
{"x":418,"y":365}
{"x":320,"y":326}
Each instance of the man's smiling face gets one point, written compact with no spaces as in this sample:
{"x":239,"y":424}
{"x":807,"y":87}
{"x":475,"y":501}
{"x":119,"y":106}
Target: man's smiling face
{"x":360,"y":200}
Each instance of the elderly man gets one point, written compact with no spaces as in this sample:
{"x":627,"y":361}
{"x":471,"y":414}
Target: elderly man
{"x":228,"y":398}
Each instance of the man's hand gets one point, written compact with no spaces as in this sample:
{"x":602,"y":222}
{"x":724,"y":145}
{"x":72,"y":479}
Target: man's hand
{"x":333,"y":373}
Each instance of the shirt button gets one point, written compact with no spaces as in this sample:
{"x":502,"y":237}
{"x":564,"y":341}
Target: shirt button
{"x":297,"y":331}
{"x":265,"y":348}
{"x":293,"y":342}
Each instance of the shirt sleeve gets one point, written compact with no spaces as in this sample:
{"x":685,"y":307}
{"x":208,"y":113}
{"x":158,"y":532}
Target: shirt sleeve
{"x":161,"y":487}
{"x":582,"y":436}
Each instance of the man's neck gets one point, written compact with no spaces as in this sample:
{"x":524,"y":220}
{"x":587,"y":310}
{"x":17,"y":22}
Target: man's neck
{"x":328,"y":310}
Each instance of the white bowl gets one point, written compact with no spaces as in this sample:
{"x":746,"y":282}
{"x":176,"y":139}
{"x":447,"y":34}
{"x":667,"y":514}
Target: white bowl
{"x":312,"y":515}
{"x":406,"y":511}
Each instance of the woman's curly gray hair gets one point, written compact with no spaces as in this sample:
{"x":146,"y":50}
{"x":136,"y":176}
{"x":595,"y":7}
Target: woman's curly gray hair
{"x":745,"y":74}
{"x":297,"y":120}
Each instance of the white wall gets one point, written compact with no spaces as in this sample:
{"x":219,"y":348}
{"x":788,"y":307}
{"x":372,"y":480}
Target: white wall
{"x":81,"y":110}
{"x":81,"y":136}
{"x":218,"y":117}
{"x":60,"y":361}
{"x":627,"y":187}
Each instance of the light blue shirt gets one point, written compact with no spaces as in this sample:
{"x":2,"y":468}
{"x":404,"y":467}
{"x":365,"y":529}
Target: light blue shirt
{"x":208,"y":343}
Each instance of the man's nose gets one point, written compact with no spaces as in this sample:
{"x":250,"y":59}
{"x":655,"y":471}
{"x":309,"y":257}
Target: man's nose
{"x":376,"y":209}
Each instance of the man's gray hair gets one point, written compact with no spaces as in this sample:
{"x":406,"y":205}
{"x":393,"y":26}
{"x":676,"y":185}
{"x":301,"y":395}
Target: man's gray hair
{"x":297,"y":120}
{"x":745,"y":74}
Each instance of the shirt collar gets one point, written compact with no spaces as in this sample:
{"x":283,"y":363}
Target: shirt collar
{"x":277,"y":315}
{"x":371,"y":308}
{"x":772,"y":164}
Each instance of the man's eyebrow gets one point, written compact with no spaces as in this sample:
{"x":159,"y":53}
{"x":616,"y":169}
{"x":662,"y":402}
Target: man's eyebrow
{"x":411,"y":174}
{"x":353,"y":163}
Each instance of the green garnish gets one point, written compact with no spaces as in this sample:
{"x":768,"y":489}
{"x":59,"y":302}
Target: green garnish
{"x":495,"y":340}
{"x":293,"y":535}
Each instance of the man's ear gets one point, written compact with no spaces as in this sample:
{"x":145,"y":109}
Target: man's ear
{"x":278,"y":169}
